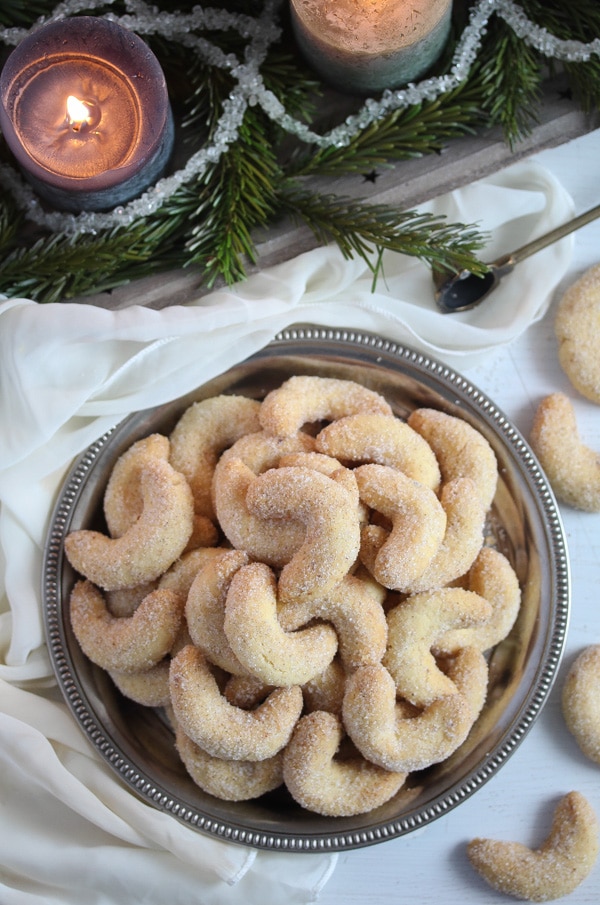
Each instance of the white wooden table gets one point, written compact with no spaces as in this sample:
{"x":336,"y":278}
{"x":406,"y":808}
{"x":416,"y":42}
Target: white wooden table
{"x":430,"y":866}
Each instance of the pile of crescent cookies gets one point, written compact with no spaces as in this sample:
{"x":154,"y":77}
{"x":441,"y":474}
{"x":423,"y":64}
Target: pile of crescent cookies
{"x":304,"y":583}
{"x":306,"y":587}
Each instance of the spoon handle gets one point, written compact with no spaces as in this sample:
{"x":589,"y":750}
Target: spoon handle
{"x":553,"y":236}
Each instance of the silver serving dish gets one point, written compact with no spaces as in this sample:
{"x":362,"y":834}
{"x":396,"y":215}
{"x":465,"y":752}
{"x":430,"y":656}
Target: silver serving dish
{"x":137,"y":741}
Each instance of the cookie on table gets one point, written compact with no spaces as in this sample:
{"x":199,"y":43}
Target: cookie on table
{"x":577,"y":328}
{"x":573,"y":468}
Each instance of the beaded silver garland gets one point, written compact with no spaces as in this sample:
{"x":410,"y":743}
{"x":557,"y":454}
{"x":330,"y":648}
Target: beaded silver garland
{"x":249,"y":89}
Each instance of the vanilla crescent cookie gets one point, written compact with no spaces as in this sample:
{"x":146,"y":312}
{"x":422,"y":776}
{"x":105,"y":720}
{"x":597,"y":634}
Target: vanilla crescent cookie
{"x":493,"y":578}
{"x":414,"y":627}
{"x":356,"y":615}
{"x":152,"y":543}
{"x":149,"y":687}
{"x":573,"y":469}
{"x":461,"y":451}
{"x":558,"y":867}
{"x":219,"y":727}
{"x":205,"y":429}
{"x":205,"y":608}
{"x":253,"y":630}
{"x":469,"y":671}
{"x":181,"y":574}
{"x":123,"y":501}
{"x":580,"y":702}
{"x":130,"y":643}
{"x":330,"y":517}
{"x":329,"y":466}
{"x":272,"y":541}
{"x":304,"y":400}
{"x":379,"y":439}
{"x":229,"y":780}
{"x":463,"y":539}
{"x":419,"y":523}
{"x":577,"y":328}
{"x":329,"y":786}
{"x":376,"y":723}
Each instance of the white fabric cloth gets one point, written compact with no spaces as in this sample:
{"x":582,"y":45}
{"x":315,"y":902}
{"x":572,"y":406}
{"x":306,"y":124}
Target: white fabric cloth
{"x":70,"y":832}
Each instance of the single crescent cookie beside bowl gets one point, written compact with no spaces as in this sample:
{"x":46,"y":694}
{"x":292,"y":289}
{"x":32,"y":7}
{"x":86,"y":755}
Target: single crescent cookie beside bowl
{"x":577,"y":328}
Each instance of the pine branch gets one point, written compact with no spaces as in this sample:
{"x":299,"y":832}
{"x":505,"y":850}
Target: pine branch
{"x":210,"y":221}
{"x":234,"y":198}
{"x":414,"y":132}
{"x":62,"y":267}
{"x":366,"y":230}
{"x":511,"y":75}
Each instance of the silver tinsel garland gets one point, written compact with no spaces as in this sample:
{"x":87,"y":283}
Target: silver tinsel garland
{"x":249,"y":89}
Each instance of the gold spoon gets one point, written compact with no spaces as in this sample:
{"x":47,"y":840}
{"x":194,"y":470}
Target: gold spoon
{"x":464,"y":290}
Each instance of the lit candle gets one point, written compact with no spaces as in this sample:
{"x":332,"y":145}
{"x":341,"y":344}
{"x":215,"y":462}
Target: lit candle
{"x":85,"y":111}
{"x":365,"y":46}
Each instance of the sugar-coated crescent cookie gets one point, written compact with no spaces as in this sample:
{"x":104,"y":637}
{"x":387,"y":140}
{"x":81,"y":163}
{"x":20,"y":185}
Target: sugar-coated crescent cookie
{"x":385,"y":736}
{"x":329,"y":786}
{"x":413,"y":629}
{"x":150,"y":546}
{"x":418,"y":520}
{"x":130,"y":643}
{"x":220,"y":728}
{"x":274,"y":541}
{"x":577,"y":328}
{"x":253,"y":630}
{"x":205,"y":608}
{"x":469,"y":671}
{"x":492,"y":577}
{"x":181,"y":574}
{"x":462,"y":452}
{"x":305,"y":399}
{"x":204,"y":430}
{"x":123,"y":501}
{"x":150,"y":687}
{"x":330,"y":517}
{"x":465,"y":521}
{"x":229,"y":780}
{"x":573,"y":469}
{"x":379,"y":439}
{"x":555,"y":869}
{"x":356,"y":615}
{"x":329,"y":466}
{"x":581,"y":703}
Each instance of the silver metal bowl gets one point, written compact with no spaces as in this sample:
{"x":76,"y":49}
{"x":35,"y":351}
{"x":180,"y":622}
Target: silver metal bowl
{"x":138,"y":743}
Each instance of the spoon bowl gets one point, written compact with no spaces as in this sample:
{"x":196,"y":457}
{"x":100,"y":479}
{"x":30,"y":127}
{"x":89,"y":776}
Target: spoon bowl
{"x":463,"y":290}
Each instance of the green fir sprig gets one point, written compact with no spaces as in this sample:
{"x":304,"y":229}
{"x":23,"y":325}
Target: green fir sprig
{"x":211,"y":223}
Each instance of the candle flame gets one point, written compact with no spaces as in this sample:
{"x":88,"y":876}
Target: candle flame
{"x":78,"y":113}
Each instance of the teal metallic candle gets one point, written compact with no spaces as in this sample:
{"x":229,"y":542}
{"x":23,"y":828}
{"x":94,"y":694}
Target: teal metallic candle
{"x":85,"y":111}
{"x":365,"y":46}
